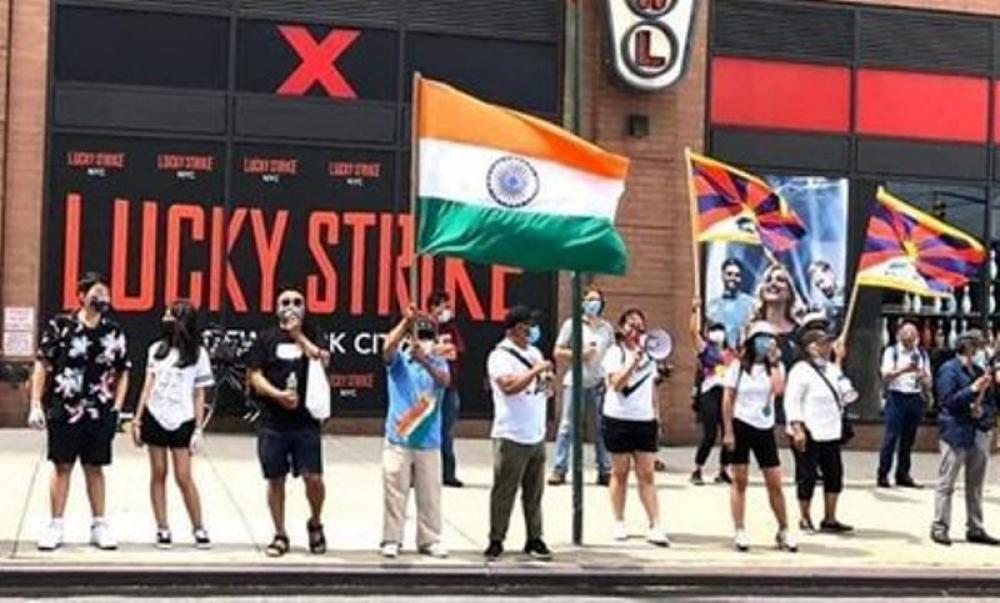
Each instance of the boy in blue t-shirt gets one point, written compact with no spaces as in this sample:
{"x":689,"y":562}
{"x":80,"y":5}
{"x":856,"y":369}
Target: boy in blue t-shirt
{"x":416,"y":380}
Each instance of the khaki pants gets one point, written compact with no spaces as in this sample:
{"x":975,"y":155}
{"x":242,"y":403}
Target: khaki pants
{"x":517,"y":465}
{"x":401,"y":467}
{"x":974,"y":460}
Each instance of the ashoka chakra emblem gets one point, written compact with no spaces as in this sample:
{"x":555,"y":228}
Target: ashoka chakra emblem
{"x":512,"y":182}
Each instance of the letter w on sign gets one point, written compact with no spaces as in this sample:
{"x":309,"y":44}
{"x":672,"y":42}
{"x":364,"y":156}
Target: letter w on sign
{"x":318,"y":61}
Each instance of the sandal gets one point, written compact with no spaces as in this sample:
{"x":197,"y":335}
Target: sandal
{"x":317,"y":540}
{"x":278,"y":547}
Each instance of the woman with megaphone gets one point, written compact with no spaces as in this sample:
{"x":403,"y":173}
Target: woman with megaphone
{"x":630,"y":423}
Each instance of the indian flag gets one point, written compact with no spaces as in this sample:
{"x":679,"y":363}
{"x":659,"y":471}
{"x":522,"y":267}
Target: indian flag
{"x":500,"y":187}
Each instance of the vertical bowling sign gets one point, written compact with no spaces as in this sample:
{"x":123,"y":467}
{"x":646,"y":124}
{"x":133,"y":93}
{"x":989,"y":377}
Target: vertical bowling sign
{"x":650,"y":41}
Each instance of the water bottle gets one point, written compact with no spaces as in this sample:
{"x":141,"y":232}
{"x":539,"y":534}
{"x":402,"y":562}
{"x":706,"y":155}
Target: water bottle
{"x":292,"y":383}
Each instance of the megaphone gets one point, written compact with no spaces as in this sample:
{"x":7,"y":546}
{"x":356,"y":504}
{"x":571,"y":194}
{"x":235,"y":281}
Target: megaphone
{"x":658,"y":345}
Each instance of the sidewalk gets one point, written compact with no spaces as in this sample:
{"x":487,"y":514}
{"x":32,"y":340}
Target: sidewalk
{"x":891,"y":525}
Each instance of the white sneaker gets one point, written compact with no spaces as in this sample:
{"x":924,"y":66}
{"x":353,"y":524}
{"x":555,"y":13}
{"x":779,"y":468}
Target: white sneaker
{"x":742,"y":542}
{"x":101,"y":536}
{"x":51,"y":537}
{"x":390,"y":550}
{"x":657,"y":536}
{"x":435,"y":550}
{"x":619,"y":532}
{"x":786,"y":542}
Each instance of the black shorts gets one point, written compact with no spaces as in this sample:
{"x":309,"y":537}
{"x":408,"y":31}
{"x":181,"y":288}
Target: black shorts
{"x":298,"y":451}
{"x":154,"y":434}
{"x":88,"y":439}
{"x":627,"y":437}
{"x":761,"y":441}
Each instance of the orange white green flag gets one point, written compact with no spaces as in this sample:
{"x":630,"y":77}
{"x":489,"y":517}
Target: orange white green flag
{"x":498,"y":186}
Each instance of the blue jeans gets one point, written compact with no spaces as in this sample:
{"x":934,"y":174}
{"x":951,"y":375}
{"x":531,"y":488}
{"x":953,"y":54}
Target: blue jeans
{"x":592,"y":402}
{"x":449,"y":416}
{"x":903,"y":413}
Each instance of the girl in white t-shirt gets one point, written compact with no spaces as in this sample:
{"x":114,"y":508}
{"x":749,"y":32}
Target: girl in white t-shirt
{"x":629,"y":424}
{"x":171,"y":415}
{"x":751,"y":385}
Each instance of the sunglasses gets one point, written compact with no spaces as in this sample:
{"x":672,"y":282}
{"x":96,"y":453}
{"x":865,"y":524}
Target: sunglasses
{"x":286,"y":302}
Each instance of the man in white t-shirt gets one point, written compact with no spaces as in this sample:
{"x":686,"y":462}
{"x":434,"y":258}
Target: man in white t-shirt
{"x":519,"y":376}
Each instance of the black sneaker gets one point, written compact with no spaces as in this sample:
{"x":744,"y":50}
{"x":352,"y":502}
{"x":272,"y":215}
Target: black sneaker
{"x":163,"y":539}
{"x":659,"y":466}
{"x":883,"y":482}
{"x":723,"y":478}
{"x":454,"y":483}
{"x":835,"y":527}
{"x":908,"y":483}
{"x":537,"y":550}
{"x":603,"y":479}
{"x":940,"y":536}
{"x":201,"y":539}
{"x":696,"y":478}
{"x":981,"y":538}
{"x":494,"y":550}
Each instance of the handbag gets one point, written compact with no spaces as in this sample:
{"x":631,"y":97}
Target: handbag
{"x":317,"y":391}
{"x":846,"y":426}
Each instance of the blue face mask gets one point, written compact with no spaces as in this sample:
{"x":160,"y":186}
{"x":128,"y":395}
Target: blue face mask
{"x":761,"y":346}
{"x":534,"y":334}
{"x":592,"y":307}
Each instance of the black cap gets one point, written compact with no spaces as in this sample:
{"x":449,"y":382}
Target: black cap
{"x":519,"y":314}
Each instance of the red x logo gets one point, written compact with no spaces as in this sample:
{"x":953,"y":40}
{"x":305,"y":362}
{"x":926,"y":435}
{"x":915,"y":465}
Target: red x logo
{"x":318,"y":61}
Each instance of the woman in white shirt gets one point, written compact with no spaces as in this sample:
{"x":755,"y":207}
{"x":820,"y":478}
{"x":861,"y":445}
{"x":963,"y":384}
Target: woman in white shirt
{"x":814,"y":406}
{"x":751,"y":385}
{"x":630,"y":427}
{"x":171,"y":415}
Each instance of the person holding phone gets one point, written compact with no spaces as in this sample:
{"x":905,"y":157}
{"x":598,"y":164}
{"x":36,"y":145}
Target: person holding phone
{"x":815,"y":405}
{"x":288,"y":437}
{"x":171,"y":415}
{"x":752,"y":383}
{"x":906,"y":375}
{"x":966,"y":423}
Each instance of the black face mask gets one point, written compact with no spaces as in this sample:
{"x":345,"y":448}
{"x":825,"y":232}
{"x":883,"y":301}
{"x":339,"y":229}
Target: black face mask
{"x":168,"y":327}
{"x":101,"y":306}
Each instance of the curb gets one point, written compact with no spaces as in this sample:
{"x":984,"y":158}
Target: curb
{"x":301,"y":580}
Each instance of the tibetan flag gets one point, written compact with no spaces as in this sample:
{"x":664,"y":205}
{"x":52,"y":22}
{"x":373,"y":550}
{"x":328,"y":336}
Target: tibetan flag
{"x":500,"y":187}
{"x":734,"y":206}
{"x":909,"y":250}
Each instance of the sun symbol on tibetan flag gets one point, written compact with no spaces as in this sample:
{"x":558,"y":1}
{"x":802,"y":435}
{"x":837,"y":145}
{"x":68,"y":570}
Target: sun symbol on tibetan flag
{"x":735,"y":206}
{"x":909,"y":250}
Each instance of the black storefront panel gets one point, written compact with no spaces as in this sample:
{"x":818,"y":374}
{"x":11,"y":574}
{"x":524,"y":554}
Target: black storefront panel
{"x":139,"y":48}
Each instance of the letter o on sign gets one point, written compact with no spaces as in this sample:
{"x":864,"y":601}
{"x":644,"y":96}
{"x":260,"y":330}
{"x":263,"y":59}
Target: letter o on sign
{"x":650,"y":49}
{"x":651,"y":8}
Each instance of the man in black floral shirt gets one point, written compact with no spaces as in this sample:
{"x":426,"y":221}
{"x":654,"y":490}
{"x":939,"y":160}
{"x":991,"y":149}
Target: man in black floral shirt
{"x":77,"y":391}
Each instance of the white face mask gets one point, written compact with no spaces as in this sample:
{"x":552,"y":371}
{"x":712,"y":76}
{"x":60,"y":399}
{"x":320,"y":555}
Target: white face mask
{"x":716,"y":337}
{"x":427,"y":347}
{"x":445,"y":316}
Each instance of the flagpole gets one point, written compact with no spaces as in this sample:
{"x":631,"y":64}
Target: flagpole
{"x":695,"y":244}
{"x":415,"y":187}
{"x":577,"y":414}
